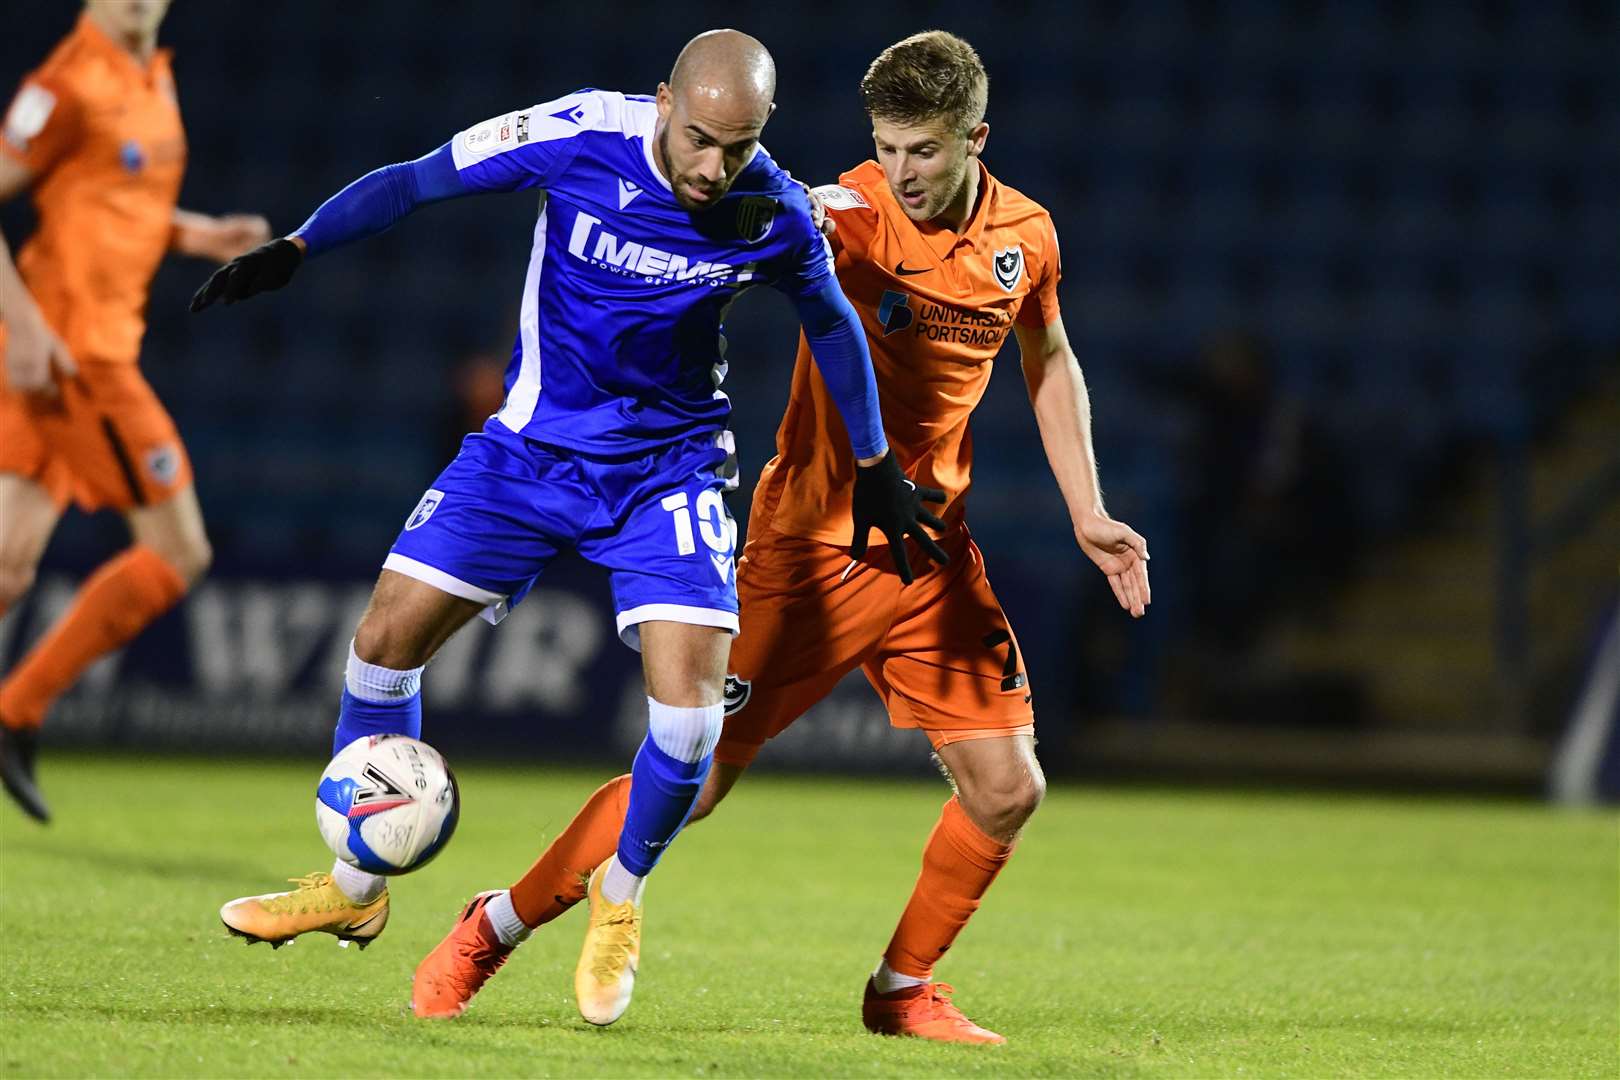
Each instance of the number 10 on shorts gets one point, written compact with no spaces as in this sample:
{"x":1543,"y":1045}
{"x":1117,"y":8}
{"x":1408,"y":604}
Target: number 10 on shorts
{"x":713,"y":524}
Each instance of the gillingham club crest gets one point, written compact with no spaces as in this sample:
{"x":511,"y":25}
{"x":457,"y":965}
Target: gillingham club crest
{"x":1008,"y":264}
{"x":424,"y":509}
{"x":755,"y":216}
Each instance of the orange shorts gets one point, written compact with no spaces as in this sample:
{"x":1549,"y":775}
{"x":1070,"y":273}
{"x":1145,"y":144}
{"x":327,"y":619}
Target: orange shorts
{"x":939,"y":652}
{"x":106,"y":441}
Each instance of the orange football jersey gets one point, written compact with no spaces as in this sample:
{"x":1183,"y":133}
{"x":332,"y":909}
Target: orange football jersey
{"x":102,"y":135}
{"x":936,"y":306}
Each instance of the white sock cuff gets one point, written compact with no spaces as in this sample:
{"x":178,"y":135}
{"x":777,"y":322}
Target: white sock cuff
{"x":372,"y":682}
{"x":887,"y":980}
{"x":619,"y":884}
{"x":684,"y":734}
{"x":504,"y":918}
{"x":358,"y":885}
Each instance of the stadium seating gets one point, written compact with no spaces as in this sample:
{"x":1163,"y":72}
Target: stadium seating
{"x":1410,"y":206}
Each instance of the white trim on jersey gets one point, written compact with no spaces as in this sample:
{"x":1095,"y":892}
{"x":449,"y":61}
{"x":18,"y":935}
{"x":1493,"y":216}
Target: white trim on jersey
{"x":495,"y":606}
{"x":536,"y":124}
{"x":641,"y":118}
{"x":524,"y":396}
{"x":630,"y":621}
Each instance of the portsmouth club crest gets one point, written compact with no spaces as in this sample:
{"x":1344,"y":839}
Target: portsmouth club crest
{"x":163,"y":464}
{"x":1008,"y":264}
{"x":736,"y":693}
{"x":755,"y":216}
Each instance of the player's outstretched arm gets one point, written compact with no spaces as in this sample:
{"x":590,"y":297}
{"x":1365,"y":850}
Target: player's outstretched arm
{"x":221,"y":238}
{"x":1057,"y":390}
{"x":883,"y":499}
{"x":366,"y":207}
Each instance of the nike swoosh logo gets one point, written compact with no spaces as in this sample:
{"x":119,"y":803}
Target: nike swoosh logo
{"x":373,"y":917}
{"x":905,"y":271}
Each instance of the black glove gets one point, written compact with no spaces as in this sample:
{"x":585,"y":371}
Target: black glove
{"x":268,"y":266}
{"x":885,"y":500}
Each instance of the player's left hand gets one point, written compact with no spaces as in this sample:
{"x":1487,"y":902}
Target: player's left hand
{"x":885,"y":500}
{"x":1120,"y":553}
{"x":267,"y":267}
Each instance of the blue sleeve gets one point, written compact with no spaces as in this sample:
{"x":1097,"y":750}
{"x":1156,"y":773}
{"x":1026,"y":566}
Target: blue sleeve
{"x":838,"y":343}
{"x":505,"y":153}
{"x":380,"y":198}
{"x":809,"y":258}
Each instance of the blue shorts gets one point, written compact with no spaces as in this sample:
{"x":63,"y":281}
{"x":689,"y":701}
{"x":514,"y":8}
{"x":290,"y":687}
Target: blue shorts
{"x":506,"y":506}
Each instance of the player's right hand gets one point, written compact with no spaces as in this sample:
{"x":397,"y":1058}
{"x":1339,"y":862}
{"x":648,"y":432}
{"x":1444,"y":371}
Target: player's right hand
{"x":818,"y":211}
{"x":266,"y":267}
{"x":33,"y":355}
{"x":885,"y":500}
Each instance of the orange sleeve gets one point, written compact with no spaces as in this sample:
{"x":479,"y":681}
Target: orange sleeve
{"x":42,"y":124}
{"x":1040,"y":306}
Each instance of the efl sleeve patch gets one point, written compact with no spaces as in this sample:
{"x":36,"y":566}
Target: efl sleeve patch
{"x":505,"y":132}
{"x":837,"y":197}
{"x":528,"y":148}
{"x":30,"y":111}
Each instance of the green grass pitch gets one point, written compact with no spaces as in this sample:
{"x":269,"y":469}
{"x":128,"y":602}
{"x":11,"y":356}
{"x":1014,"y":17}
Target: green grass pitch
{"x":1136,"y":933}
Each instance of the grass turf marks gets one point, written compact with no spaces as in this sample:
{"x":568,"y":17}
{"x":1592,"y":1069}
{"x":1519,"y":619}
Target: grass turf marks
{"x":1135,"y":933}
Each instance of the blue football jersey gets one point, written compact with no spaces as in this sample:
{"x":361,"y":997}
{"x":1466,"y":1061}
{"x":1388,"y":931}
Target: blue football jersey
{"x":620,"y":345}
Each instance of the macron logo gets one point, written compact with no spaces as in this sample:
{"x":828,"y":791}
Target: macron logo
{"x":627,"y":193}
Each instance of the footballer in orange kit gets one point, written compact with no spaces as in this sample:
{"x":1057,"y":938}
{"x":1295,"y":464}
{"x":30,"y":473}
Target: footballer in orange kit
{"x":942,"y":261}
{"x":95,"y":133}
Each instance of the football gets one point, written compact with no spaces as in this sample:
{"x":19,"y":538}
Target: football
{"x":387,"y":804}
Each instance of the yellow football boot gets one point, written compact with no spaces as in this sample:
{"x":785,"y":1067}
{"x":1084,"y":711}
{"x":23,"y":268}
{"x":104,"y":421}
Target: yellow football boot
{"x":317,"y":904}
{"x":606,"y":974}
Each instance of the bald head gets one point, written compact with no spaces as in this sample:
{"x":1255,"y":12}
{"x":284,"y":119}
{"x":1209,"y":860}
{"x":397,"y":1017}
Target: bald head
{"x":711,"y":112}
{"x":726,"y":64}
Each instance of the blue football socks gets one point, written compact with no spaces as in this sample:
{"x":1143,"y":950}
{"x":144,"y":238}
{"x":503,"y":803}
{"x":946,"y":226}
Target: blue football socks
{"x":666,"y":779}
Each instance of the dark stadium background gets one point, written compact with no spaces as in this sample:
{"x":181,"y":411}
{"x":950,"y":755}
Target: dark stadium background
{"x":1344,"y":280}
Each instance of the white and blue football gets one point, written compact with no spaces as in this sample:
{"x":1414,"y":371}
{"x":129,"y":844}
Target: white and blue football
{"x":387,"y":804}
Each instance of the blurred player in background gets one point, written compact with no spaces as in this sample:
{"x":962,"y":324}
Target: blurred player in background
{"x":942,"y":261}
{"x":658,"y":213}
{"x":95,"y":132}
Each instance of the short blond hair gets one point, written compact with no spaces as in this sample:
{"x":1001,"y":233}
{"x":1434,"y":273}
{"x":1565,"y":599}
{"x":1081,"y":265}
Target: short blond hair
{"x":930,"y":75}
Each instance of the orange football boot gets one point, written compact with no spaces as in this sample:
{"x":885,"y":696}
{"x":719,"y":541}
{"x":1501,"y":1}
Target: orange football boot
{"x":922,"y":1011}
{"x":458,"y":967}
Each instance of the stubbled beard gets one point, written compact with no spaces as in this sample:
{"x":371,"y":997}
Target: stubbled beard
{"x":928,"y":211}
{"x":674,"y":180}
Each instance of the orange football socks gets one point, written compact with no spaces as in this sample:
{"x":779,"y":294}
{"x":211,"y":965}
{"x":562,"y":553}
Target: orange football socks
{"x":959,"y":863}
{"x":556,"y":882}
{"x":114,"y":604}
